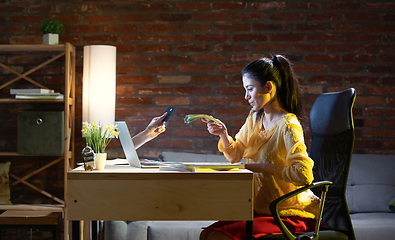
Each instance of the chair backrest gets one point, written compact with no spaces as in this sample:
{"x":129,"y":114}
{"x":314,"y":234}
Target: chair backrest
{"x":332,"y":133}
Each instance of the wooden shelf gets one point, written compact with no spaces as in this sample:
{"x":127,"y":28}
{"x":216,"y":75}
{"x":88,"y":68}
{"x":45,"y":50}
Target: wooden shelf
{"x":12,"y":100}
{"x":10,"y":154}
{"x":33,"y":47}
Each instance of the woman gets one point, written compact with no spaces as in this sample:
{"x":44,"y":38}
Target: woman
{"x":272,"y":142}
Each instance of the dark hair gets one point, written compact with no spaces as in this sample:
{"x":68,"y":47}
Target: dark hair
{"x":278,"y":70}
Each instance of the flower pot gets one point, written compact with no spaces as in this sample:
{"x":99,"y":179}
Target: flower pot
{"x":51,"y":38}
{"x":100,"y":160}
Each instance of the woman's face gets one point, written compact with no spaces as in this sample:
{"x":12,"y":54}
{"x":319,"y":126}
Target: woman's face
{"x":256,"y":95}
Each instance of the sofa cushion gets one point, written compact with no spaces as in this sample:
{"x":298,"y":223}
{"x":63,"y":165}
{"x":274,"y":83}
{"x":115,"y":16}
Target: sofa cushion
{"x":371,"y":183}
{"x":176,"y":230}
{"x":368,"y":226}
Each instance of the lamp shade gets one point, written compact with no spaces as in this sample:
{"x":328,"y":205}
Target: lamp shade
{"x":99,"y":84}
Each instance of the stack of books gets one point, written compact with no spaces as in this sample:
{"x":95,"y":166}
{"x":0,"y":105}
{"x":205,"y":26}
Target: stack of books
{"x":35,"y":93}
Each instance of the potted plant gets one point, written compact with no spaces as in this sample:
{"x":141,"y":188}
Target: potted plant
{"x":98,"y":137}
{"x":51,"y":29}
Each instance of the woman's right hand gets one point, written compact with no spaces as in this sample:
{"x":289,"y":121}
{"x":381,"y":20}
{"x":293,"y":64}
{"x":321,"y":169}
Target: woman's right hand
{"x":215,"y":128}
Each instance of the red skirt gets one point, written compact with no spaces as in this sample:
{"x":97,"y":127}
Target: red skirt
{"x":264,"y":225}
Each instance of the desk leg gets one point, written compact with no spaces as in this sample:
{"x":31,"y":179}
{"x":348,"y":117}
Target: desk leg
{"x":95,"y":230}
{"x":249,"y":230}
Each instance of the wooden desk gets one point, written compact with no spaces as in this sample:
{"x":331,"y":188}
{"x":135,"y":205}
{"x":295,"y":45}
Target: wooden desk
{"x":127,"y":193}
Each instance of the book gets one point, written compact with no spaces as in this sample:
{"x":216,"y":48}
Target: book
{"x":30,"y":90}
{"x":39,"y":96}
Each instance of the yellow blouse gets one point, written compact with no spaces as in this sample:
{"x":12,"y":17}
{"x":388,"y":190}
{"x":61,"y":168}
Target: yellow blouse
{"x":282,"y":145}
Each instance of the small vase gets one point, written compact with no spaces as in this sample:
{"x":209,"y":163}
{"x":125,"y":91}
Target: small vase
{"x":100,"y":160}
{"x":51,"y":38}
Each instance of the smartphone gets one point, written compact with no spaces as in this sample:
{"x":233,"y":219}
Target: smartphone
{"x":169,"y":111}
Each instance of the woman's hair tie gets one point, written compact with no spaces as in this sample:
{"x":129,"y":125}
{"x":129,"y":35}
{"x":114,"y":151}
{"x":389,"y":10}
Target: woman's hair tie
{"x":276,"y":61}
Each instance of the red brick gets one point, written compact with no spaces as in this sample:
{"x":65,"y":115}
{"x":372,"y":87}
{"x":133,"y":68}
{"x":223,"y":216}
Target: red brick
{"x":286,"y":37}
{"x":245,"y":57}
{"x":380,"y":111}
{"x":210,"y":58}
{"x":344,"y":47}
{"x":195,"y":68}
{"x":210,"y":79}
{"x":347,"y":27}
{"x":361,"y":100}
{"x":174,"y":17}
{"x":25,"y":19}
{"x":81,"y":8}
{"x":266,"y":6}
{"x":322,"y":58}
{"x":307,"y":47}
{"x":172,"y":101}
{"x":137,"y":17}
{"x":154,"y":48}
{"x":361,"y":80}
{"x":244,"y":16}
{"x":175,"y":143}
{"x":390,"y":123}
{"x":310,"y":68}
{"x":174,"y":37}
{"x":126,"y":69}
{"x":211,"y":37}
{"x":100,"y":18}
{"x":387,"y":133}
{"x":230,"y":48}
{"x":125,"y":90}
{"x":324,"y":37}
{"x":42,"y":9}
{"x":371,"y":122}
{"x":191,"y":133}
{"x":192,"y":27}
{"x":390,"y":101}
{"x":213,"y":17}
{"x":173,"y":58}
{"x":159,"y":27}
{"x":325,"y":79}
{"x":269,"y":46}
{"x":155,"y":90}
{"x":346,"y":68}
{"x":284,"y":16}
{"x":134,"y":100}
{"x":379,"y":6}
{"x":383,"y":28}
{"x":157,"y":69}
{"x":232,"y":111}
{"x":101,"y":39}
{"x":25,"y":39}
{"x":193,"y":48}
{"x":150,"y":112}
{"x":250,"y":37}
{"x":359,"y":58}
{"x":229,"y":90}
{"x":11,"y":9}
{"x":238,"y":100}
{"x":12,"y":29}
{"x":193,"y":6}
{"x":367,"y":144}
{"x":134,"y":80}
{"x":172,"y":79}
{"x":210,"y":100}
{"x":381,"y":90}
{"x":363,"y":38}
{"x":137,"y":38}
{"x":230,"y":67}
{"x":154,"y":6}
{"x":123,"y":48}
{"x":23,"y":60}
{"x":122,"y":28}
{"x":314,"y":27}
{"x":193,"y":90}
{"x":306,"y":6}
{"x":389,"y":17}
{"x":387,"y":58}
{"x":239,"y":27}
{"x":379,"y":48}
{"x":134,"y":58}
{"x":82,"y":29}
{"x":342,"y":6}
{"x":362,"y":16}
{"x":229,"y":5}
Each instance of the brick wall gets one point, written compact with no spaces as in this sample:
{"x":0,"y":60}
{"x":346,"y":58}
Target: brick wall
{"x":189,"y":54}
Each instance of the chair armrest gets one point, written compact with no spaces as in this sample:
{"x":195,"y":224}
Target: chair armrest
{"x":273,"y":207}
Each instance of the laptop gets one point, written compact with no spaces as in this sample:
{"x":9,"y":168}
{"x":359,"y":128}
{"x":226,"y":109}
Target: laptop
{"x":130,"y":151}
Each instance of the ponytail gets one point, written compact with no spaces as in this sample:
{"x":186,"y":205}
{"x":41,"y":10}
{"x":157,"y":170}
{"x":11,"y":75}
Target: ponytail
{"x":278,"y":69}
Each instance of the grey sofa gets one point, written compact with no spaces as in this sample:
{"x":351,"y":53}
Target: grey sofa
{"x":371,"y":186}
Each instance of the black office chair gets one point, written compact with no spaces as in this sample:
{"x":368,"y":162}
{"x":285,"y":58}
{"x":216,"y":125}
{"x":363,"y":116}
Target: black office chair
{"x":332,"y":132}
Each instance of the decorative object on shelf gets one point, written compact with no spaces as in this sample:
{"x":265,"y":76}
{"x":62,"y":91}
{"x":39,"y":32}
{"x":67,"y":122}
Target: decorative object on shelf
{"x":99,"y":84}
{"x":51,"y":29}
{"x":5,"y":195}
{"x":88,"y":157}
{"x":98,"y":137}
